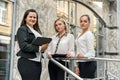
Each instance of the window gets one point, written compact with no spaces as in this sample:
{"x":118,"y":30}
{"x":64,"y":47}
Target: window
{"x":4,"y":63}
{"x":3,"y":7}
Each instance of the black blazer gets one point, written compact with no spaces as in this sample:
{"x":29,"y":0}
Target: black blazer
{"x":25,"y":38}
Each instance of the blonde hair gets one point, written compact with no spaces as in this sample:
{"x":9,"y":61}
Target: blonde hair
{"x":62,"y":20}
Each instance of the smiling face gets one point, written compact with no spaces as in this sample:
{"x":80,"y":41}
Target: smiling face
{"x":60,"y":26}
{"x":84,"y":23}
{"x":31,"y":19}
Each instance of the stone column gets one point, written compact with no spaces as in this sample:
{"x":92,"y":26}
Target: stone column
{"x":110,"y":17}
{"x":118,"y":21}
{"x":111,"y":37}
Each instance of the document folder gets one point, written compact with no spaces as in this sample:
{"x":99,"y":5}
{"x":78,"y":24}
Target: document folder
{"x":41,"y":40}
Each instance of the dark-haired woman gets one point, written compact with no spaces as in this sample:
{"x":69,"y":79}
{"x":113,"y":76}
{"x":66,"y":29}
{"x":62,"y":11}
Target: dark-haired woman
{"x":85,"y":48}
{"x":29,"y":63}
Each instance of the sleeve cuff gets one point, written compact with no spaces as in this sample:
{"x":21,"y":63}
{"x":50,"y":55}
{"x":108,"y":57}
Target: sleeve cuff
{"x":40,"y":49}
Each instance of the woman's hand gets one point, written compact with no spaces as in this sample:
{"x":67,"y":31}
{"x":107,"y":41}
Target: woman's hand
{"x":68,"y":55}
{"x":50,"y":55}
{"x":44,"y":47}
{"x":80,"y":56}
{"x":77,"y":70}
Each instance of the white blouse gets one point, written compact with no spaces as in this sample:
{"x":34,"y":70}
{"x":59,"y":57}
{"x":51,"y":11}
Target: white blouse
{"x":38,"y":54}
{"x":66,"y":45}
{"x":85,"y":44}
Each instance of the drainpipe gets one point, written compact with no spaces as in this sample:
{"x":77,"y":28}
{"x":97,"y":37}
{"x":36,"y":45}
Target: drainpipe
{"x":12,"y":40}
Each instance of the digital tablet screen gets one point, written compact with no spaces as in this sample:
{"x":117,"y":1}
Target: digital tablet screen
{"x":59,"y":56}
{"x":41,"y":40}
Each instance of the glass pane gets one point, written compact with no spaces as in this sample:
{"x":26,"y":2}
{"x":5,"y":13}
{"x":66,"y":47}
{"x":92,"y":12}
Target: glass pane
{"x":3,"y":4}
{"x":3,"y":7}
{"x":4,"y":63}
{"x":3,"y":16}
{"x":0,"y":15}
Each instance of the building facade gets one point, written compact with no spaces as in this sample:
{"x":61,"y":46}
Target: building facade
{"x":103,"y":14}
{"x":5,"y":32}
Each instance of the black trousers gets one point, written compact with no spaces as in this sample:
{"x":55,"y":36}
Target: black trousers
{"x":87,"y":69}
{"x":29,"y":70}
{"x":55,"y":72}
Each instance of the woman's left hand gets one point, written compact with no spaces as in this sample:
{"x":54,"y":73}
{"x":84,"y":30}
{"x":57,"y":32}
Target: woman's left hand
{"x":68,"y":55}
{"x":80,"y":56}
{"x":77,"y":70}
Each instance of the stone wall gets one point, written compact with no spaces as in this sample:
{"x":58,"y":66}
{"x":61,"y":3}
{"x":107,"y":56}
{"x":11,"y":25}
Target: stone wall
{"x":110,"y":17}
{"x":111,"y":38}
{"x":47,"y":14}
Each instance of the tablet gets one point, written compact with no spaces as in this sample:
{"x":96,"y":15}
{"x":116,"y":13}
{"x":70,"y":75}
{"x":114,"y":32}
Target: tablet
{"x":59,"y":56}
{"x":41,"y":40}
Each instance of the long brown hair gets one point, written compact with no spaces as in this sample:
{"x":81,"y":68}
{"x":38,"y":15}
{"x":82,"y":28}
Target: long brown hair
{"x":36,"y":26}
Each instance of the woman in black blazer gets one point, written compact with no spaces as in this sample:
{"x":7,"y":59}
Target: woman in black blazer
{"x":29,"y":63}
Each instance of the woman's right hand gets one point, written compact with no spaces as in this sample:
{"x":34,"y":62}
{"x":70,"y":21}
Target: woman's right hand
{"x":77,"y":71}
{"x":50,"y":55}
{"x":44,"y":47}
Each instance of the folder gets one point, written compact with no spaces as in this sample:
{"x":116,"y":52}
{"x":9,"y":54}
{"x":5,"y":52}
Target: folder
{"x":41,"y":40}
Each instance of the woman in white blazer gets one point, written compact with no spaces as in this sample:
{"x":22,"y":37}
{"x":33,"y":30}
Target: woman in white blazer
{"x":62,"y":43}
{"x":85,"y":48}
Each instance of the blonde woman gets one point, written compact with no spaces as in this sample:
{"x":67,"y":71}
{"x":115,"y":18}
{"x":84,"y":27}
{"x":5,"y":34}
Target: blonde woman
{"x":62,"y":43}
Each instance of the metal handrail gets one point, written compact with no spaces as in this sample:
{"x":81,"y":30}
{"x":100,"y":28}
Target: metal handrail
{"x":91,"y":59}
{"x":95,"y":59}
{"x":65,"y":69}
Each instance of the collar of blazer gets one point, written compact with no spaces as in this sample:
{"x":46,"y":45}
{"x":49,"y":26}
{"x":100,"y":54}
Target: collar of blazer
{"x":27,"y":28}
